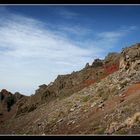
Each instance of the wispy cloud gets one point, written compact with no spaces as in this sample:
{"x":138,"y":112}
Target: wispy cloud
{"x":118,"y":33}
{"x":67,"y":13}
{"x":76,"y":30}
{"x":32,"y":54}
{"x":108,"y":39}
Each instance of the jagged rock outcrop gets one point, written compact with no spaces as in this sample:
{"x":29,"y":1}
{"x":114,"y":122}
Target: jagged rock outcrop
{"x":18,"y":96}
{"x":130,"y":58}
{"x":8,"y":104}
{"x":87,"y":65}
{"x":111,"y":62}
{"x":7,"y":99}
{"x":112,"y":58}
{"x":97,"y":63}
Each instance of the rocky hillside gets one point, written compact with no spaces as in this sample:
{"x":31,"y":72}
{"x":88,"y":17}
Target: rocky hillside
{"x":8,"y":104}
{"x":66,"y":85}
{"x":102,"y":98}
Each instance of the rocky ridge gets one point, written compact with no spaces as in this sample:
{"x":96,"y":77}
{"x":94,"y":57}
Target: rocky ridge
{"x":107,"y":104}
{"x":66,"y":85}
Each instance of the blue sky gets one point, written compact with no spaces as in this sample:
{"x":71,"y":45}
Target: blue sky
{"x":39,"y":42}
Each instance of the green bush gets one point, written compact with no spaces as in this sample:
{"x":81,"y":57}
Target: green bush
{"x":100,"y":131}
{"x":86,"y":98}
{"x":121,"y":132}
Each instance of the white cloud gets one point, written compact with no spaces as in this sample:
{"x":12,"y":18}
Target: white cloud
{"x":31,"y":54}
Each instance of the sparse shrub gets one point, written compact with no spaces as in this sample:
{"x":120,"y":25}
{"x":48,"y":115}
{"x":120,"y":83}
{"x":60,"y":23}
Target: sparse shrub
{"x":113,"y":90}
{"x":121,"y":131}
{"x":95,"y":125}
{"x":100,"y":130}
{"x":86,"y":98}
{"x":105,"y":97}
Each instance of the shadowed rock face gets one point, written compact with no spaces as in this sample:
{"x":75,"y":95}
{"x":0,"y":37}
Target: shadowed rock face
{"x":7,"y":101}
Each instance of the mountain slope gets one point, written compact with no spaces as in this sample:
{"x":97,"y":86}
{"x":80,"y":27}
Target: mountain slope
{"x":66,"y":85}
{"x":103,"y":98}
